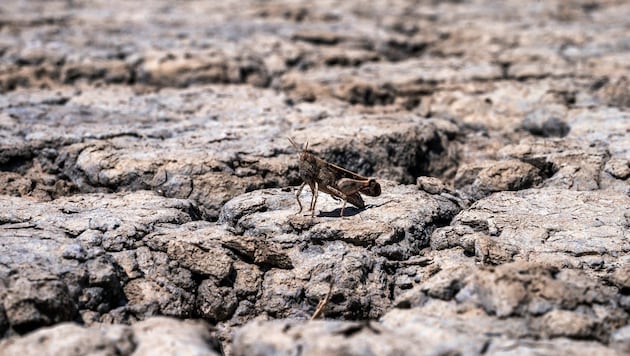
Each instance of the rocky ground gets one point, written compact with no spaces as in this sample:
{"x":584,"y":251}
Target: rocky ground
{"x":147,"y":186}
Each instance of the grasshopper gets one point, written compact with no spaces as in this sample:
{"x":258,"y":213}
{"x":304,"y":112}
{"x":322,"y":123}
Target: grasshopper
{"x":331,"y":179}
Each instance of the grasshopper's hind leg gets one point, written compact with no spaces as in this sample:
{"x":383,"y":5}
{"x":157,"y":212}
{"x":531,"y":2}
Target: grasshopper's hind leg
{"x":297,"y":196}
{"x":343,"y":207}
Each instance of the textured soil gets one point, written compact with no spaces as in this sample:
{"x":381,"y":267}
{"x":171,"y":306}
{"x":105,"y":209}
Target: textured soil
{"x":148,"y":189}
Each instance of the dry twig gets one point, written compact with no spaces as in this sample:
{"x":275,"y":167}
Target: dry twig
{"x":323,"y":302}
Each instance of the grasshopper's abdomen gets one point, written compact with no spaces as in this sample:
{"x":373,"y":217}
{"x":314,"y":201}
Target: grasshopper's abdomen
{"x":373,"y":189}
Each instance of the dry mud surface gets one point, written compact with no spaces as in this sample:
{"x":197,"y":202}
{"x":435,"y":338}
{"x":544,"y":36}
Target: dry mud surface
{"x":147,"y":188}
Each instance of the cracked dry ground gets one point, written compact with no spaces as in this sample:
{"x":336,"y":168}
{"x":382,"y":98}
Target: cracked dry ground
{"x":147,"y":186}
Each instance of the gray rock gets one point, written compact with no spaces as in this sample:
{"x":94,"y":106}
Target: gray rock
{"x":50,"y":277}
{"x":620,"y":339}
{"x":522,"y":289}
{"x":318,"y":338}
{"x":567,"y":164}
{"x":432,"y":185}
{"x":153,"y":336}
{"x":615,"y":92}
{"x":565,"y":228}
{"x":439,"y":327}
{"x":621,"y":276}
{"x":482,"y":179}
{"x":71,"y":339}
{"x":381,"y":228}
{"x":167,"y":336}
{"x":144,"y":170}
{"x":547,"y":122}
{"x":36,"y":298}
{"x":215,"y":303}
{"x":618,"y":168}
{"x":556,"y":346}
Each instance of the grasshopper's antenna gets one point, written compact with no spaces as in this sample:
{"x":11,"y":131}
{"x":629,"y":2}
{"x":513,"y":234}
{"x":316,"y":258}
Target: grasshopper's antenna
{"x":295,"y":145}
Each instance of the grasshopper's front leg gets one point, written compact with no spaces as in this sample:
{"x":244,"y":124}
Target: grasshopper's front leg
{"x":297,"y":196}
{"x":314,"y":189}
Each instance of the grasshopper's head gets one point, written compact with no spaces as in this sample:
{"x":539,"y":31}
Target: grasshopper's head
{"x":307,"y":164}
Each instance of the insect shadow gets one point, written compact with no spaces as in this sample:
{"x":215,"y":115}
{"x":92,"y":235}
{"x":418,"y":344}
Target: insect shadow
{"x":349,"y":211}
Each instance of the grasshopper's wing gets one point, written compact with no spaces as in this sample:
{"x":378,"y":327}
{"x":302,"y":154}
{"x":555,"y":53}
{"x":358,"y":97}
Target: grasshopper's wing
{"x":344,"y":173}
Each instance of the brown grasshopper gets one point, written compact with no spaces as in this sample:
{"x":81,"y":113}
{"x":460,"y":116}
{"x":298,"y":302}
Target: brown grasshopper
{"x":338,"y":182}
